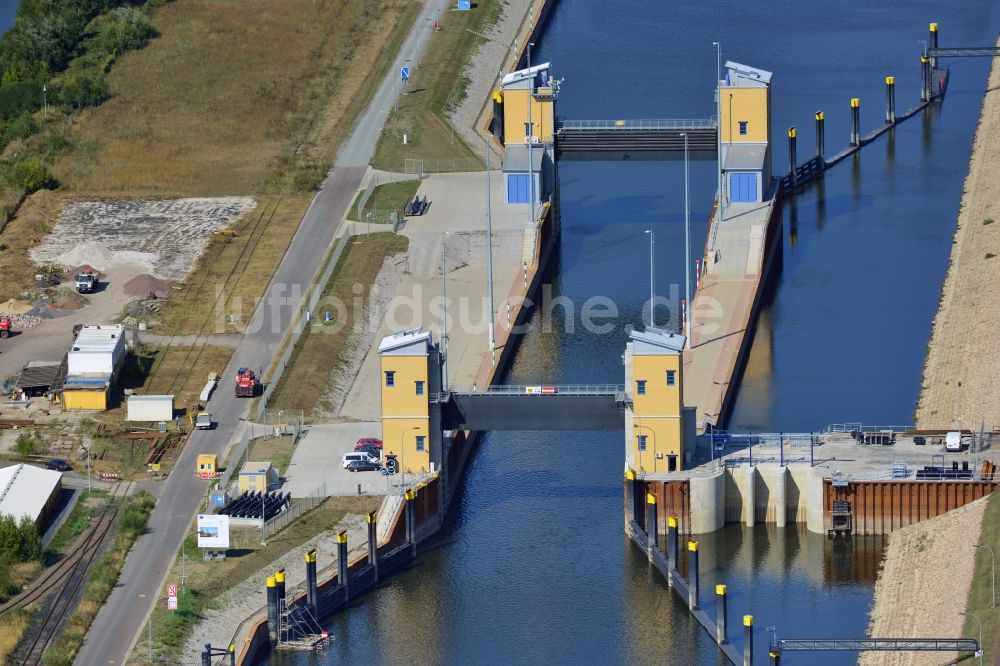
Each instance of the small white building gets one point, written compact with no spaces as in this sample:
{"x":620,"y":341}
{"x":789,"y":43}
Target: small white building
{"x":97,"y":351}
{"x":150,"y":407}
{"x":30,"y":491}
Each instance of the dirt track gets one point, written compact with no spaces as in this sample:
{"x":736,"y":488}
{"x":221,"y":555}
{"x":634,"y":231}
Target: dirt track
{"x":963,"y":359}
{"x":916,"y":594}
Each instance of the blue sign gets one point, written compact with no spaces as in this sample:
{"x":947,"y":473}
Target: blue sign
{"x":404,"y":73}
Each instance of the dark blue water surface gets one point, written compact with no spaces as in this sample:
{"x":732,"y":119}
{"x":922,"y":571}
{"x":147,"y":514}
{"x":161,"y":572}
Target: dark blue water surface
{"x":7,"y":10}
{"x":533,"y":566}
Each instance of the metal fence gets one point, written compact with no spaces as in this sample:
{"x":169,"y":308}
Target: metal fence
{"x":683,"y":124}
{"x":457,"y":164}
{"x":562,"y":389}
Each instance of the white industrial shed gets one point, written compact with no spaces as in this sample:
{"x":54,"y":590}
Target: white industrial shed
{"x":97,"y":350}
{"x":29,"y":491}
{"x":150,"y":407}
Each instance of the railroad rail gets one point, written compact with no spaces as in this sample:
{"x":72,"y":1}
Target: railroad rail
{"x":66,"y":577}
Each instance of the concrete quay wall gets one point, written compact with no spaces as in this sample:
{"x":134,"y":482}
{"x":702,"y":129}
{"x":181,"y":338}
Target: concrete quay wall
{"x":782,"y":495}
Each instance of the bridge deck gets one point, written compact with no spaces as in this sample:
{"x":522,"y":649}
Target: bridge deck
{"x":645,"y":136}
{"x":878,"y":645}
{"x":579,"y":407}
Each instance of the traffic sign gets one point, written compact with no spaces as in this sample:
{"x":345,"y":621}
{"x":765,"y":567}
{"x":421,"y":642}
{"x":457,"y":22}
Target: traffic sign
{"x":404,"y":73}
{"x":171,"y":603}
{"x":171,"y":590}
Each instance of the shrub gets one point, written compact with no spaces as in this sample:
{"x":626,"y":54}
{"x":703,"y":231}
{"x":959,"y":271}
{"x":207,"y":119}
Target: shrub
{"x":20,"y":127}
{"x":31,"y":174}
{"x":25,"y":445}
{"x":83,"y":88}
{"x":18,"y":97}
{"x":126,"y":28}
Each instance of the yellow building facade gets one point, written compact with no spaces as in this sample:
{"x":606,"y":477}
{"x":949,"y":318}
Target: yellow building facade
{"x":516,"y":89}
{"x":745,"y":133}
{"x":655,"y":422}
{"x":409,"y":375}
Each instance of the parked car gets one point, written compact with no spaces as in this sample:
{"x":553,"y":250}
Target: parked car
{"x":359,"y":456}
{"x":59,"y":465}
{"x":203,"y":421}
{"x":371,"y":450}
{"x":366,"y":442}
{"x":363,"y":466}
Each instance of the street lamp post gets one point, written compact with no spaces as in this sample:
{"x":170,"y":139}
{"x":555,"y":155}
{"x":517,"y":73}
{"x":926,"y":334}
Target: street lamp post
{"x":687,"y":250}
{"x":489,"y":252}
{"x":531,"y":137}
{"x":993,"y":573}
{"x":718,"y":127}
{"x":979,"y":653}
{"x":652,"y":282}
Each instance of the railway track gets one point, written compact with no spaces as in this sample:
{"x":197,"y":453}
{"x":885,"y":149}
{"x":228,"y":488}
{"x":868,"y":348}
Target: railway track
{"x":256,"y":232}
{"x":66,"y":578}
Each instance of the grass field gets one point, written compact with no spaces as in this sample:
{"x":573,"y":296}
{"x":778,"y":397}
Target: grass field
{"x":384,"y":198}
{"x":980,"y":593}
{"x":435,"y":86}
{"x":206,"y":581}
{"x":307,"y":376}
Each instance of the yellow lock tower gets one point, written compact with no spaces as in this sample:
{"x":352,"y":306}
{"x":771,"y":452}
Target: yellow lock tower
{"x":745,"y":133}
{"x":657,"y":427}
{"x":411,"y":420}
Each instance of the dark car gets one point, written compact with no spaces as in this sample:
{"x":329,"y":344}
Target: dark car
{"x":363,"y":466}
{"x":371,"y":450}
{"x":59,"y":465}
{"x":366,"y":442}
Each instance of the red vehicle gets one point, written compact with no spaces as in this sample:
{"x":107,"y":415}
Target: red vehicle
{"x":5,"y":326}
{"x":246,"y":383}
{"x":367,"y":442}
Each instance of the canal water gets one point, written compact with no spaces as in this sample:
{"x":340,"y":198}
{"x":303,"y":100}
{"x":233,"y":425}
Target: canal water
{"x":533,"y":566}
{"x":7,"y":10}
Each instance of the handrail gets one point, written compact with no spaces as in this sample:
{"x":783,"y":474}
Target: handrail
{"x":537,"y":389}
{"x":682,"y":124}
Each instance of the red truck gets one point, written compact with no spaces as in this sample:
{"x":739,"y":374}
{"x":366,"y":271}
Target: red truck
{"x":246,"y":383}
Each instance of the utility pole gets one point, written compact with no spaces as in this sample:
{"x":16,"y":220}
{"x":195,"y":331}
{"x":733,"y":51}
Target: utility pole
{"x":718,"y":128}
{"x":531,"y":139}
{"x":687,"y":249}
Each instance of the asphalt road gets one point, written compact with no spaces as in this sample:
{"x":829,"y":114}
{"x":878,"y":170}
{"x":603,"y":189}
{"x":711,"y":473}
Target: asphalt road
{"x":121,"y":621}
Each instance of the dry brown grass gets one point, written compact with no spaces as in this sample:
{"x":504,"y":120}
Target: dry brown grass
{"x":307,"y":376}
{"x":231,"y":277}
{"x":35,"y":218}
{"x":232,"y":98}
{"x":12,"y":628}
{"x":175,"y":370}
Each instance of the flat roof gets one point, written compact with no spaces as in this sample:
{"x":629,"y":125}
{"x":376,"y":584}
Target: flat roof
{"x":743,"y":156}
{"x":151,"y":398}
{"x":515,"y":159}
{"x":25,"y":490}
{"x":255,"y":467}
{"x":411,"y":340}
{"x":36,"y":374}
{"x":653,"y":342}
{"x":744,"y":75}
{"x":98,"y":338}
{"x":522,"y":74}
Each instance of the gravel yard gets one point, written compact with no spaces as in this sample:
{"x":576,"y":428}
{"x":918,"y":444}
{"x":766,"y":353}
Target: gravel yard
{"x":164,"y":237}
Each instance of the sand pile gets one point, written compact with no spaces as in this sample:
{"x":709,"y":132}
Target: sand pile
{"x":101,"y":258}
{"x":146,"y":285}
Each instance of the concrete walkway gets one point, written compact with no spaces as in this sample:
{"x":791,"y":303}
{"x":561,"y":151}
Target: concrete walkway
{"x":722,"y":306}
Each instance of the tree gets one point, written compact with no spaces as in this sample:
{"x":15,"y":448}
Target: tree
{"x":25,"y":445}
{"x":31,"y":174}
{"x":82,"y":88}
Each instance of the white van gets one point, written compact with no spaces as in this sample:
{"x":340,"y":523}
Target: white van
{"x":953,"y":441}
{"x":358,"y":455}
